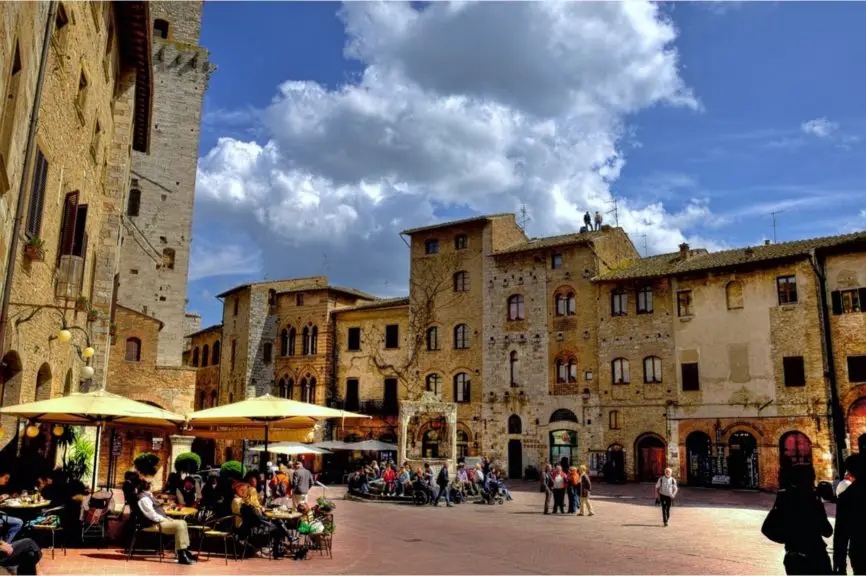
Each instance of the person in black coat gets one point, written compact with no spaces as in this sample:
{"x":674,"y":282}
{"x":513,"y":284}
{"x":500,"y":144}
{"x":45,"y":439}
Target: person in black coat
{"x":443,"y":482}
{"x":850,"y":536}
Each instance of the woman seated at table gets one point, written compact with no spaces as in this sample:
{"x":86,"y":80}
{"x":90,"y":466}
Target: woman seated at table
{"x":153,"y":512}
{"x":252,"y":480}
{"x":251,"y":521}
{"x":187,"y":494}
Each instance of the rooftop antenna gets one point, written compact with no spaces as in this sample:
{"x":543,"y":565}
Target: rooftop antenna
{"x":773,"y":214}
{"x":615,"y":211}
{"x":524,"y":217}
{"x":325,"y":262}
{"x":645,"y":249}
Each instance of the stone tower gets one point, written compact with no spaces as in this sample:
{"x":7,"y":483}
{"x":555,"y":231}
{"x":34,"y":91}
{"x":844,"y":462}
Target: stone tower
{"x":157,"y":231}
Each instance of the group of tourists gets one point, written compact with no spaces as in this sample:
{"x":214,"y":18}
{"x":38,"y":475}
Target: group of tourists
{"x":575,"y":485}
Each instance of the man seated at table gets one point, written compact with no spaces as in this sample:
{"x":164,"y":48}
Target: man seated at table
{"x":250,"y":520}
{"x":155,"y":513}
{"x":187,"y":494}
{"x":24,"y":555}
{"x":10,"y":526}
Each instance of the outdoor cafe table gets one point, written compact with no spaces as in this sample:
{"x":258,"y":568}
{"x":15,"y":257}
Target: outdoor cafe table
{"x":180,"y":512}
{"x":20,"y":509}
{"x":281,"y":515}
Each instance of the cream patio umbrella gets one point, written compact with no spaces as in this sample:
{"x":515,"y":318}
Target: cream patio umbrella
{"x":98,"y":408}
{"x":371,"y":446}
{"x":266,"y":411}
{"x":291,"y":449}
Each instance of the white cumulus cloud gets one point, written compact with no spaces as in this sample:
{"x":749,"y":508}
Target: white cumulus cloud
{"x":481,"y":106}
{"x":820,"y":127}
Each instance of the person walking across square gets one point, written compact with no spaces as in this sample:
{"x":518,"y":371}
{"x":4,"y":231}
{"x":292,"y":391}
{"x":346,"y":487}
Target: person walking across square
{"x":665,"y":492}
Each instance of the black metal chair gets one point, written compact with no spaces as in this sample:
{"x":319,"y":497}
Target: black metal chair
{"x":144,"y":526}
{"x":220,"y":529}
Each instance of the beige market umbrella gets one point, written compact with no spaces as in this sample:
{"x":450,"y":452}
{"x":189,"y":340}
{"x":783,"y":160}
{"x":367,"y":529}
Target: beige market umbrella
{"x":98,"y":408}
{"x":371,"y":446}
{"x":266,"y":411}
{"x":290,"y":449}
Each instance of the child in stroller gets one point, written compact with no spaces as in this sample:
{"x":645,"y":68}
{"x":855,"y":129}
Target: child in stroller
{"x":492,"y":490}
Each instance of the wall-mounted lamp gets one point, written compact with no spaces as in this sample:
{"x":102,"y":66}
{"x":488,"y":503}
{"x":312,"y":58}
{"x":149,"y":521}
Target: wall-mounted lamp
{"x":32,"y":431}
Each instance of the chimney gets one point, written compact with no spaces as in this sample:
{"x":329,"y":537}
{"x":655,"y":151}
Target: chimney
{"x":684,"y":251}
{"x":766,"y":242}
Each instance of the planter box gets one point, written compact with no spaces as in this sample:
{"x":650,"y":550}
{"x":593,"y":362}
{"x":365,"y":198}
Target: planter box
{"x":34,"y":253}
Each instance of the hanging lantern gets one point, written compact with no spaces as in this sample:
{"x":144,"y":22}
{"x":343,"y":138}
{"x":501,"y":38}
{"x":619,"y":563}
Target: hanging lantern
{"x":88,"y":352}
{"x":32,"y":431}
{"x":64,"y":335}
{"x":86,"y":372}
{"x":58,"y":430}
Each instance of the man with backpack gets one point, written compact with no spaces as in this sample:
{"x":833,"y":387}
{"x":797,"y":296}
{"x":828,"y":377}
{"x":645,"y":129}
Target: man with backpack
{"x":665,"y":491}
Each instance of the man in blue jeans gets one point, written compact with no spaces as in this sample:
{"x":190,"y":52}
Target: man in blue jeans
{"x":443,"y":482}
{"x":10,"y":526}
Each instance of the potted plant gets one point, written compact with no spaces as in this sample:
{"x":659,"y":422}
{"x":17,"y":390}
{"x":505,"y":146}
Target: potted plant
{"x":81,"y":303}
{"x":92,"y":315}
{"x":34,"y":249}
{"x":233,"y":470}
{"x":187,"y":462}
{"x":146,"y":463}
{"x":324,"y":505}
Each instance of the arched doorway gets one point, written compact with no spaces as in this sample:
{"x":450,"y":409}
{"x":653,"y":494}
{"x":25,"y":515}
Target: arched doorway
{"x":699,"y":459}
{"x":794,"y":448}
{"x":43,"y":383}
{"x":430,"y":444}
{"x":743,"y":460}
{"x":614,"y":465}
{"x":515,"y":458}
{"x":515,"y":426}
{"x":857,"y":425}
{"x":650,"y":450}
{"x":563,"y":448}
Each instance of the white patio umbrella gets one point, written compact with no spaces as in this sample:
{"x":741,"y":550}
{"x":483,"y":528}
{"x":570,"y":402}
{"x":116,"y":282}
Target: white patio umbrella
{"x":371,"y":446}
{"x":331,"y":445}
{"x":290,"y":449}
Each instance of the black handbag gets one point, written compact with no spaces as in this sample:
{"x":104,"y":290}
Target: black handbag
{"x":774,"y":524}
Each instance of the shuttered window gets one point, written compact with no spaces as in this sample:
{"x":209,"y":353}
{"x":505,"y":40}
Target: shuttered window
{"x":37,"y":196}
{"x":67,"y":225}
{"x":848,"y":301}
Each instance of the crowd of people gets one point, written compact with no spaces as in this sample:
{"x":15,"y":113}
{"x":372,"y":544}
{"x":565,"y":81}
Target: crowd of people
{"x":484,"y":481}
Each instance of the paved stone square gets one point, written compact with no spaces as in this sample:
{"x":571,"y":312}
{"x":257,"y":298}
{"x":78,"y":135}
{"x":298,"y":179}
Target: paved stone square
{"x":711,"y":532}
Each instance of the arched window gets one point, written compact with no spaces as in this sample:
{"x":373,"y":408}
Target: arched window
{"x":461,"y":281}
{"x":561,"y":305}
{"x":195,"y":356}
{"x":461,"y":337}
{"x":614,"y":420}
{"x":231,"y":397}
{"x":314,"y":341}
{"x":619,"y":368}
{"x":515,"y":426}
{"x":652,"y":369}
{"x":133,"y":350}
{"x":303,"y":389}
{"x":734,"y":295}
{"x":205,"y":355}
{"x":290,"y":389}
{"x":515,"y":307}
{"x":215,"y":354}
{"x":512,"y":367}
{"x":461,"y":388}
{"x":281,"y":388}
{"x":284,"y":342}
{"x":160,"y":28}
{"x":566,"y":305}
{"x":43,"y":383}
{"x":133,"y":203}
{"x":432,"y":339}
{"x":462,"y":444}
{"x":433,"y":383}
{"x":311,"y":394}
{"x":168,"y":258}
{"x":213,"y":398}
{"x":305,"y":336}
{"x":563,"y":415}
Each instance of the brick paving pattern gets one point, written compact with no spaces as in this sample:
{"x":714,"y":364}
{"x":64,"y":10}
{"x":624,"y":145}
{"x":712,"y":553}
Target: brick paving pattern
{"x":711,"y":532}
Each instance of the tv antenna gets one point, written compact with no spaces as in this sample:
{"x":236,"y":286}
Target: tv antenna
{"x":325,"y":262}
{"x":615,"y":210}
{"x":645,"y":249}
{"x":523,"y":217}
{"x":773,"y":214}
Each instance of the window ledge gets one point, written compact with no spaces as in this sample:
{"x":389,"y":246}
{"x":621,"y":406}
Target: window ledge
{"x":686,"y":318}
{"x":787,"y":307}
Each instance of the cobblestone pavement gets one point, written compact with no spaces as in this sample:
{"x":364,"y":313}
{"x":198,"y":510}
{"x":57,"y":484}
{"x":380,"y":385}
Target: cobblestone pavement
{"x":711,"y":532}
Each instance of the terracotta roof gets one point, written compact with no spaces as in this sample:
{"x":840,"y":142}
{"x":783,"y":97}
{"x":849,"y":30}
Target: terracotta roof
{"x":263,"y":282}
{"x":550,"y":242}
{"x":136,"y":36}
{"x":143,"y":315}
{"x":381,"y":303}
{"x":672,"y":264}
{"x":450,"y":223}
{"x":204,"y":330}
{"x":311,"y":287}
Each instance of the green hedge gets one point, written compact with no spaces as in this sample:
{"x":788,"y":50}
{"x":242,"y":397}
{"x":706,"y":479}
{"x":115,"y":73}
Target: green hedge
{"x":146,"y":463}
{"x":188,"y":462}
{"x":233,"y":469}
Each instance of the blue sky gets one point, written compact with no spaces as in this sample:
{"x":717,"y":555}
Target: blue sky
{"x":700,"y":119}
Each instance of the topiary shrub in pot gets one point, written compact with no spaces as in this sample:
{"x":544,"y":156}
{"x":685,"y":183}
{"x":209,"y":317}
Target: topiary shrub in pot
{"x":187,"y":463}
{"x":233,"y":470}
{"x":146,"y":463}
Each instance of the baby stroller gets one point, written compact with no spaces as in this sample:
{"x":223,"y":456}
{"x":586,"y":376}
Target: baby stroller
{"x":94,"y":512}
{"x":491,"y":492}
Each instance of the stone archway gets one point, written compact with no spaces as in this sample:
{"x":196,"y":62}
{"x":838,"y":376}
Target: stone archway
{"x":431,"y":406}
{"x":43,"y":383}
{"x":10,"y":394}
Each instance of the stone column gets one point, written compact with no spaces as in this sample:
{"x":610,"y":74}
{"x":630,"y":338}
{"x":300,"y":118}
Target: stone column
{"x":404,"y":430}
{"x":179,"y":445}
{"x":452,"y":430}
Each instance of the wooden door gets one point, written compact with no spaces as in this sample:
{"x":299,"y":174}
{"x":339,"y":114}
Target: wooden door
{"x":515,"y":459}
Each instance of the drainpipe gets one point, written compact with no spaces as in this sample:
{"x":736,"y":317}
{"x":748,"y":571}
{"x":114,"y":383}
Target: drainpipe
{"x":22,"y":188}
{"x":837,"y":419}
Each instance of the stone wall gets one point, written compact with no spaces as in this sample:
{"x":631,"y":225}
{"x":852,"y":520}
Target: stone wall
{"x":155,"y":253}
{"x":207,"y":377}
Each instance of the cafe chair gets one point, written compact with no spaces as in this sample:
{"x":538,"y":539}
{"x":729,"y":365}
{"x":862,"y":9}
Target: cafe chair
{"x":143,"y":526}
{"x":219,"y":529}
{"x":53,"y":528}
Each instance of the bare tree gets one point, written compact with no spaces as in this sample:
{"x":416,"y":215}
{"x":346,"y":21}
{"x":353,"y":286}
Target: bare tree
{"x":431,"y":291}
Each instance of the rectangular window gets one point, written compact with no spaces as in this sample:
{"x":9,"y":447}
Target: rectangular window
{"x":645,"y":300}
{"x":234,"y":347}
{"x":618,"y":303}
{"x":556,"y":261}
{"x":614,"y":420}
{"x":684,"y":304}
{"x":856,"y":369}
{"x":299,"y":300}
{"x":354,"y":339}
{"x":37,"y":196}
{"x":392,"y":336}
{"x":352,"y":397}
{"x":795,"y":371}
{"x":460,"y":242}
{"x":787,"y":288}
{"x":652,"y":370}
{"x":391,"y":404}
{"x":236,"y":301}
{"x":691,"y":376}
{"x":848,"y":301}
{"x":267,"y":351}
{"x":431,"y":246}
